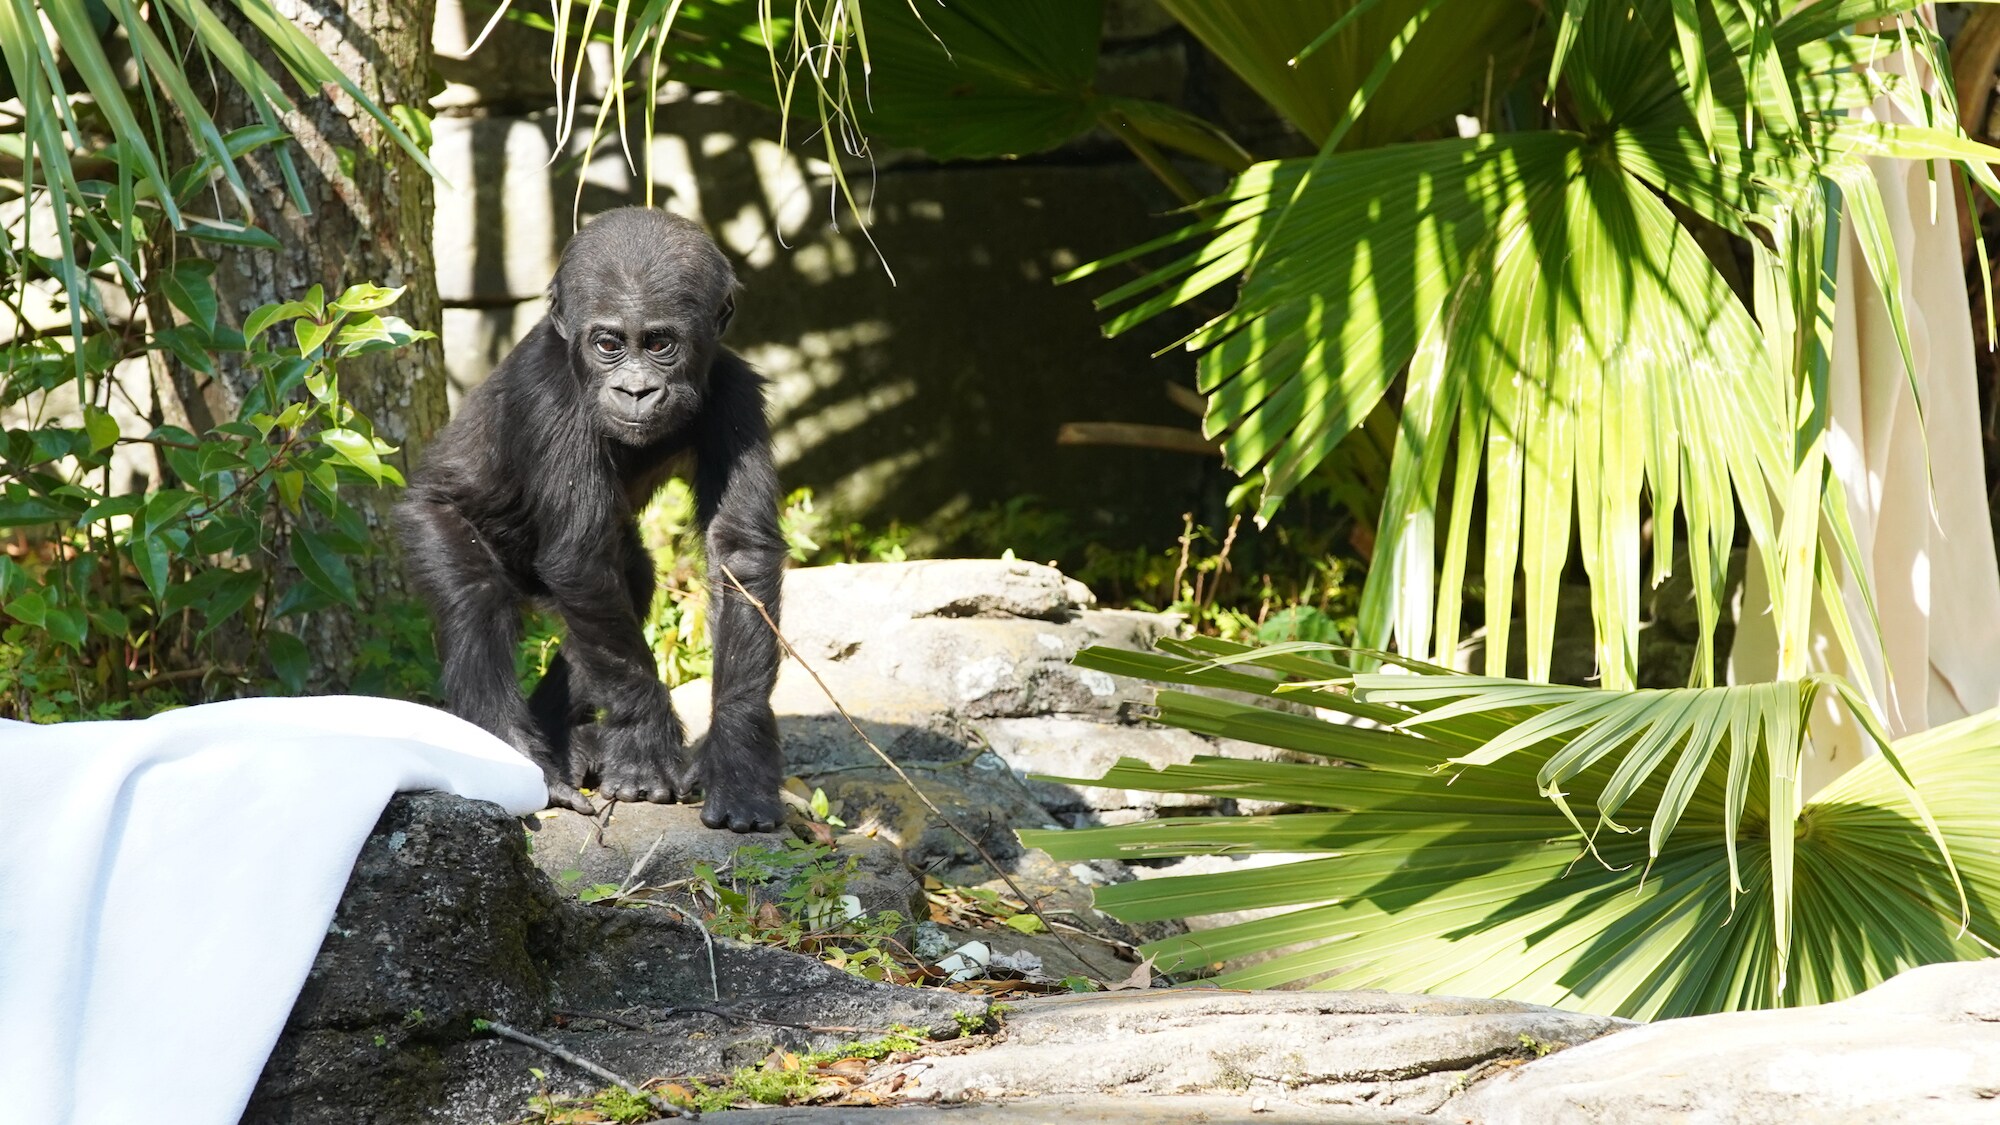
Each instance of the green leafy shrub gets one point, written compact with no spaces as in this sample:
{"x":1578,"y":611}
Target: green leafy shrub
{"x":114,"y":600}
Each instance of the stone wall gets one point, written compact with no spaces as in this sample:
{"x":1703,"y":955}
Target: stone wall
{"x":917,"y":398}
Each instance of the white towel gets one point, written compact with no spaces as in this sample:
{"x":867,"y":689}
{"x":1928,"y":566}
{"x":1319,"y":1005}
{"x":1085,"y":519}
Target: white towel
{"x":165,"y":884}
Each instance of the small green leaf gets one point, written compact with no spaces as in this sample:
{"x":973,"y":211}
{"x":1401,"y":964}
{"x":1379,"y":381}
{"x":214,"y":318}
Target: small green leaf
{"x":367,"y":297}
{"x":289,"y":659}
{"x":68,"y":626}
{"x":362,"y":330}
{"x":189,"y":289}
{"x":150,"y":556}
{"x":188,"y":344}
{"x":101,"y":426}
{"x":291,"y":485}
{"x":313,"y":333}
{"x":415,"y":122}
{"x":322,"y":566}
{"x":165,"y":506}
{"x":29,"y":608}
{"x":1026,"y":923}
{"x":112,"y":507}
{"x":21,"y":508}
{"x":268,"y":315}
{"x":110,"y":622}
{"x":231,"y":595}
{"x":225,"y":233}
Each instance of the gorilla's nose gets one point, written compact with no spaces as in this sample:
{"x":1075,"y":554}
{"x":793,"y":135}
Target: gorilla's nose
{"x":636,"y":393}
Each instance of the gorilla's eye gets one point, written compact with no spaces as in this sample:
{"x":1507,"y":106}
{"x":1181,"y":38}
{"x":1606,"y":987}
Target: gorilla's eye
{"x":609,"y":348}
{"x":663,"y":348}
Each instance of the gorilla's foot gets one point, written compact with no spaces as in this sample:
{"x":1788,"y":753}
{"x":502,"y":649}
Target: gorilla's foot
{"x":742,"y":808}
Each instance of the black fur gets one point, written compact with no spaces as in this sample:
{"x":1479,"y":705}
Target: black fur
{"x":530,"y":494}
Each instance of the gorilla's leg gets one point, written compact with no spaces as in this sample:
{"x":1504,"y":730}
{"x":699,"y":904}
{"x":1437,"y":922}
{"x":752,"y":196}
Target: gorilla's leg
{"x":478,"y":617}
{"x":736,"y":488}
{"x":563,"y":703}
{"x":637,"y":742}
{"x":565,"y":718}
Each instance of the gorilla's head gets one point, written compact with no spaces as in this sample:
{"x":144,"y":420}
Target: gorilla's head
{"x":641,"y":298}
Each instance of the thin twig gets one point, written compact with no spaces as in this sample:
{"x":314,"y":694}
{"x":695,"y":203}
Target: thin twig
{"x":985,"y":856}
{"x":663,"y":1106}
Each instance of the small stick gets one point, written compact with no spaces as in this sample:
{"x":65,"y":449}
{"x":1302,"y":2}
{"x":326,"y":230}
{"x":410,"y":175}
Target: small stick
{"x":665,"y":1108}
{"x":986,"y":857}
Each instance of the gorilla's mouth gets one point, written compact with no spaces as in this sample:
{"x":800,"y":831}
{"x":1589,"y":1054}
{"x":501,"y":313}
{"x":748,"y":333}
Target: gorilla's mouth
{"x":642,"y":421}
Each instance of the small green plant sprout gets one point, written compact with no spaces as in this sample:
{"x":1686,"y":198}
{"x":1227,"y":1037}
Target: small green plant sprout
{"x":797,"y":897}
{"x":1540,"y":1048}
{"x":822,"y":810}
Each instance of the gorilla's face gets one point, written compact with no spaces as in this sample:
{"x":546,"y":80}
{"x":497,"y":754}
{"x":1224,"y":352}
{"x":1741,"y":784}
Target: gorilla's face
{"x":649,"y":368}
{"x":641,"y":309}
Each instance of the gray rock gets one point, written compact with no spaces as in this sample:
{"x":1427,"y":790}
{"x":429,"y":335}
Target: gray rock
{"x":1353,"y":1048}
{"x":477,"y":339}
{"x":1207,"y":1110}
{"x":1011,"y":667}
{"x":832,"y":610}
{"x":445,"y":920}
{"x":496,"y":237}
{"x":1070,"y":747}
{"x":1923,"y":1047}
{"x":907,"y":722}
{"x":494,"y":75}
{"x":609,"y":849}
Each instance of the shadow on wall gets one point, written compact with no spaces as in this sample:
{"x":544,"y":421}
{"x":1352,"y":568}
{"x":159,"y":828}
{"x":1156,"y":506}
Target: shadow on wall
{"x":917,"y":400}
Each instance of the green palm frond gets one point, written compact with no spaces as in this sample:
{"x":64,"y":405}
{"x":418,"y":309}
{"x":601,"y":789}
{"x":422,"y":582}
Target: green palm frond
{"x":1309,"y":58}
{"x":169,"y":42}
{"x":1654,"y":885}
{"x":1574,"y":359}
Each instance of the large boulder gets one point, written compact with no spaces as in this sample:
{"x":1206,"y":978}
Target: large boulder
{"x":1923,"y":1047}
{"x":645,"y":845}
{"x":446,"y":920}
{"x":1328,"y":1048}
{"x":989,"y":637}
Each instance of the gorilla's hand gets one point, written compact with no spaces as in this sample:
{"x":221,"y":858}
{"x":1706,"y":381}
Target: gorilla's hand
{"x":643,"y":759}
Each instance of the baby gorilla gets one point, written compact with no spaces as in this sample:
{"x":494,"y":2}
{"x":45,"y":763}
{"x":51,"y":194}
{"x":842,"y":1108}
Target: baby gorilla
{"x":530,"y":495}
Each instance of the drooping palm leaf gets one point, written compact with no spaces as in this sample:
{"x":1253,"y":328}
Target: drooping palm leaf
{"x":969,"y":79}
{"x":1653,"y":889}
{"x":1558,"y":322}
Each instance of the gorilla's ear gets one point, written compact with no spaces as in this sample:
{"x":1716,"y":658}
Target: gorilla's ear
{"x":555,"y":307}
{"x":728,"y":310}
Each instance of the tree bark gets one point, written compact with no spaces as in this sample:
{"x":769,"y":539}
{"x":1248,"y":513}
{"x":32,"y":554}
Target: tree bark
{"x":371,"y":215}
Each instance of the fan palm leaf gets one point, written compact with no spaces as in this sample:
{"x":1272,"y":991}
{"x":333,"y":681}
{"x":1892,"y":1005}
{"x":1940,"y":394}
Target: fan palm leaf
{"x":1676,"y":871}
{"x":1573,"y":358}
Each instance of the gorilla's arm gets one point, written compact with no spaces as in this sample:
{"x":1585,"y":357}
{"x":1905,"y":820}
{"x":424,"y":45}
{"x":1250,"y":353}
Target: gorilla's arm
{"x":637,"y":741}
{"x":736,"y":495}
